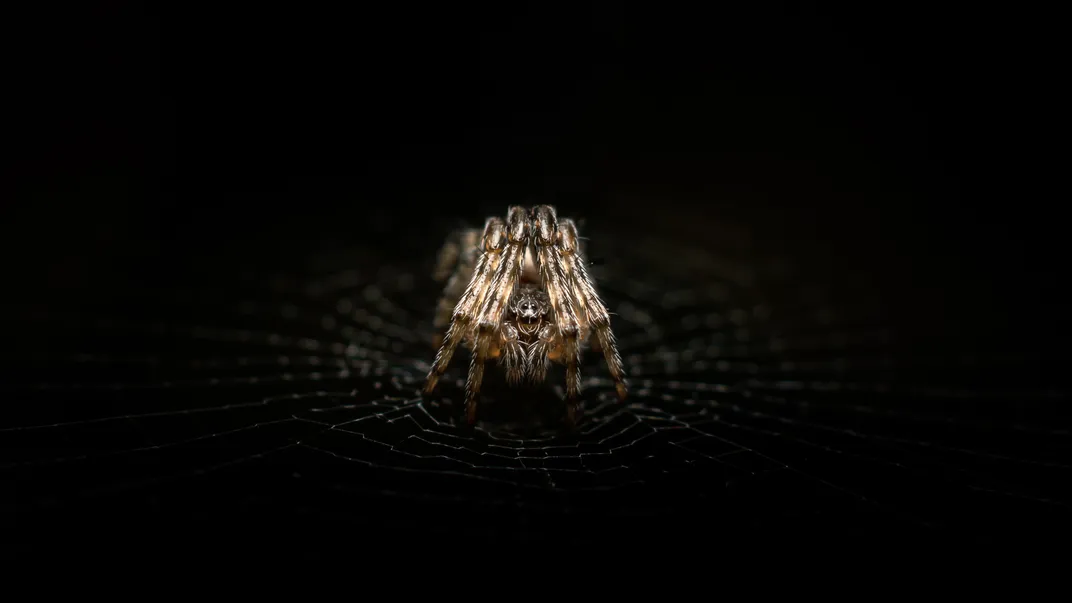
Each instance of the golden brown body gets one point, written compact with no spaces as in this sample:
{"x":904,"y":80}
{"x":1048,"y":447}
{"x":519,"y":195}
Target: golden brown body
{"x":520,"y":293}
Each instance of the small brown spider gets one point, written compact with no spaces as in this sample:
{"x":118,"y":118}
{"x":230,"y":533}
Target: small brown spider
{"x":521,"y":293}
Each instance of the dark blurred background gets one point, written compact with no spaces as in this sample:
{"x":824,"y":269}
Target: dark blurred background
{"x":893,"y":149}
{"x":917,"y":131}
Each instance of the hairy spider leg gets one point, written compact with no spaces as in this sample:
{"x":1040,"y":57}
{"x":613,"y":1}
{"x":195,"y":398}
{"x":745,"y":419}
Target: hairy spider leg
{"x":448,"y":255}
{"x":465,"y":311}
{"x":556,"y":283}
{"x":595,"y":312}
{"x":458,"y":258}
{"x":495,"y":303}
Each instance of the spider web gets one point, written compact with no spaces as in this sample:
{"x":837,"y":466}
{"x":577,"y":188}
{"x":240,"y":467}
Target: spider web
{"x":761,"y":402}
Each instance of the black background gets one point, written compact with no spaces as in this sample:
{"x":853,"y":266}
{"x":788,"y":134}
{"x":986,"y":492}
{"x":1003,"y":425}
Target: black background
{"x":897,"y":149}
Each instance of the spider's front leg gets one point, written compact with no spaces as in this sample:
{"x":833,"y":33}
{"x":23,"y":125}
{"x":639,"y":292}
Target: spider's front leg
{"x":490,"y":319}
{"x":595,"y":312}
{"x":560,"y":292}
{"x":457,"y":259}
{"x":466,"y":311}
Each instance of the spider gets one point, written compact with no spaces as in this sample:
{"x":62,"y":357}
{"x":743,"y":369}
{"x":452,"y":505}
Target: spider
{"x":520,"y":293}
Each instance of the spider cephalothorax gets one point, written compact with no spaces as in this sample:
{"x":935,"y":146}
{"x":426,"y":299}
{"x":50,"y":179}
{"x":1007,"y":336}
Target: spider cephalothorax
{"x":521,"y":293}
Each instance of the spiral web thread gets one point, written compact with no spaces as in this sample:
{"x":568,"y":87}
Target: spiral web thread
{"x":754,"y":397}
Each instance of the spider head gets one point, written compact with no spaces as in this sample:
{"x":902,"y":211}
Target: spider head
{"x":529,"y":307}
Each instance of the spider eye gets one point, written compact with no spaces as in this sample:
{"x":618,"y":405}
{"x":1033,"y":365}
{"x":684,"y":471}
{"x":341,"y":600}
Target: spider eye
{"x":527,"y":308}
